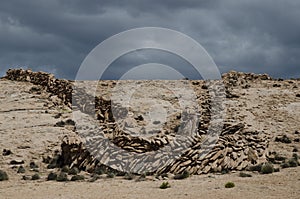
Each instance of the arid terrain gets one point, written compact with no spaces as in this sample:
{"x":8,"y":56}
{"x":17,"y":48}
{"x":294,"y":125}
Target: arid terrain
{"x":261,"y":126}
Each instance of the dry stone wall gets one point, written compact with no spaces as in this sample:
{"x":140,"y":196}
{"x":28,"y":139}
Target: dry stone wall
{"x":236,"y":148}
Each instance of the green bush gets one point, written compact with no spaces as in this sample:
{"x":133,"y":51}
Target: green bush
{"x":255,"y":168}
{"x":295,"y":156}
{"x":165,"y":185}
{"x":229,"y":185}
{"x":293,"y":162}
{"x":21,"y":169}
{"x":52,"y":176}
{"x":110,"y":175}
{"x":73,"y":171}
{"x":267,"y":168}
{"x":62,"y":177}
{"x":285,"y":165}
{"x":77,"y":177}
{"x":35,"y":177}
{"x":3,"y":175}
{"x":65,"y":169}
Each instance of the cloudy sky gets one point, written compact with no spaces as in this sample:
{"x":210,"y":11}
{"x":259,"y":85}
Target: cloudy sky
{"x":261,"y":36}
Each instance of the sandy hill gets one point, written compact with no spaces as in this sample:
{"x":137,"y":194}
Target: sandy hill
{"x":261,"y":124}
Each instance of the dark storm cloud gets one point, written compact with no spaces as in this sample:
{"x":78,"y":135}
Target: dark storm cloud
{"x":55,"y":36}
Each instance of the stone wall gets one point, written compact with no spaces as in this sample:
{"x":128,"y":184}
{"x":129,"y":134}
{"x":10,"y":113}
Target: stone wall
{"x":235,"y":148}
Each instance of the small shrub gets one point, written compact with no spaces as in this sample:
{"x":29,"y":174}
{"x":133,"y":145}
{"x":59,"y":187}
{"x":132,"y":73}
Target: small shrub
{"x":62,"y":177}
{"x":255,"y":167}
{"x":54,"y":162}
{"x":35,"y":177}
{"x":3,"y":175}
{"x":245,"y":175}
{"x":181,"y":176}
{"x":229,"y":185}
{"x":110,"y":175}
{"x":165,"y":185}
{"x":77,"y":177}
{"x":73,"y":171}
{"x":267,"y":168}
{"x":295,"y":156}
{"x":21,"y":169}
{"x":52,"y":176}
{"x":99,"y":171}
{"x":285,"y":165}
{"x":293,"y":162}
{"x":65,"y":169}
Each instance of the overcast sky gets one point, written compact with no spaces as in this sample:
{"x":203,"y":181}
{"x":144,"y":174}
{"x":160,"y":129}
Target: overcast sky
{"x":261,"y":36}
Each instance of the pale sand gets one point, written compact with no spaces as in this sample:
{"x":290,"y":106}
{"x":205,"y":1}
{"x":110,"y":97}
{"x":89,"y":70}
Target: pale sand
{"x":284,"y":184}
{"x":27,"y":130}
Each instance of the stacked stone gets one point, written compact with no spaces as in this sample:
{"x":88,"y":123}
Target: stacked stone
{"x":234,"y":78}
{"x":59,"y":87}
{"x":234,"y":148}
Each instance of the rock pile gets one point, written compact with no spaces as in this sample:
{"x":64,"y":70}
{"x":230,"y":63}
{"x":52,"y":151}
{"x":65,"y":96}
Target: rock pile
{"x":235,"y":147}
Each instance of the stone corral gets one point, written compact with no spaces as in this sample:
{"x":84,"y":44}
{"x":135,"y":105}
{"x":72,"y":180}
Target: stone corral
{"x":234,"y":148}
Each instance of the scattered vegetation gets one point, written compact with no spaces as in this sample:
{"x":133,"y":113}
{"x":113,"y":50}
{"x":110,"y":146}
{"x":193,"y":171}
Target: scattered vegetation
{"x":99,"y":170}
{"x":229,"y":185}
{"x":255,"y":167}
{"x":52,"y":176}
{"x":292,"y":162}
{"x":62,"y":177}
{"x":285,"y":165}
{"x":21,"y":169}
{"x":267,"y":168}
{"x":65,"y":169}
{"x":165,"y":185}
{"x":73,"y":171}
{"x":77,"y":177}
{"x":35,"y":177}
{"x":3,"y":175}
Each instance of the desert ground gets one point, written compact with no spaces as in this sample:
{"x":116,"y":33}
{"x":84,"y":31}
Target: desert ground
{"x":28,"y":130}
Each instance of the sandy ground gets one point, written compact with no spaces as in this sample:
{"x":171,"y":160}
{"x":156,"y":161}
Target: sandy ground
{"x":27,"y":128}
{"x":284,"y":184}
